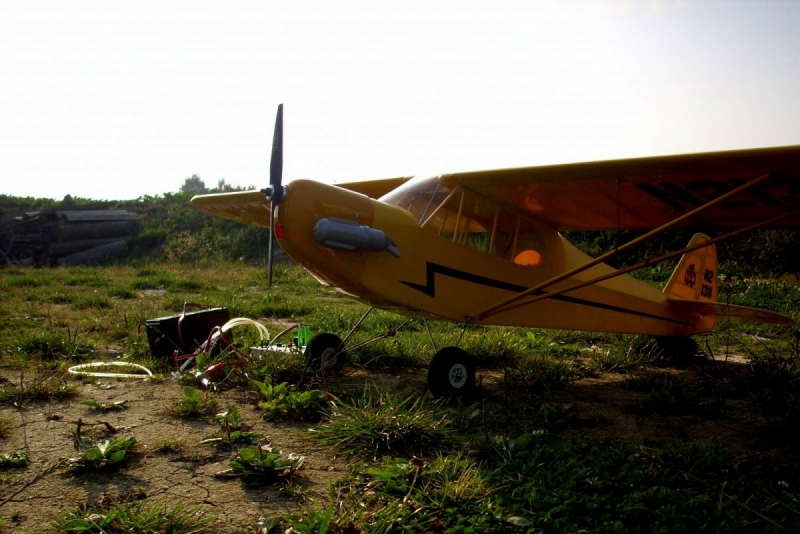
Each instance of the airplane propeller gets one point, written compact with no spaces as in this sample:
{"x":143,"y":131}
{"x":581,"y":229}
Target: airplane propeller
{"x":275,"y":192}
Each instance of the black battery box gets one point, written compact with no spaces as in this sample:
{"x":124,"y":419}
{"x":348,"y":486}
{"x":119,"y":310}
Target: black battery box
{"x":185,"y":333}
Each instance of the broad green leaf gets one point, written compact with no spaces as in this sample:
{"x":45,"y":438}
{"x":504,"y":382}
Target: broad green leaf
{"x":92,"y":455}
{"x":116,"y":457}
{"x":77,"y":525}
{"x":279,"y":389}
{"x":519,"y":521}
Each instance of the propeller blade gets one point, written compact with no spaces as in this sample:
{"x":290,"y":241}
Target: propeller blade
{"x":274,"y":192}
{"x":271,"y":240}
{"x":276,"y":161}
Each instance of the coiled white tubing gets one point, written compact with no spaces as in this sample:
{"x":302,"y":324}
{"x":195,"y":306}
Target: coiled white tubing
{"x":263,"y":333}
{"x":84,"y":370}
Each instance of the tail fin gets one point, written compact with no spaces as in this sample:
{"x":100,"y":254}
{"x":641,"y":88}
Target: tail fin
{"x":695,"y":277}
{"x":692,"y":291}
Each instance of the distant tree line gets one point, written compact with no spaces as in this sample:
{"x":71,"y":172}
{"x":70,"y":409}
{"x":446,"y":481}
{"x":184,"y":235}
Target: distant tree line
{"x":170,"y":229}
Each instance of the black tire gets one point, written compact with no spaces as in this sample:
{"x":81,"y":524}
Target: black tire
{"x":666,"y":350}
{"x":326,"y":351}
{"x":451,"y":373}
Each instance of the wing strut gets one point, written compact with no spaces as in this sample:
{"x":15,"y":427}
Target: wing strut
{"x":641,"y":264}
{"x":504,"y":305}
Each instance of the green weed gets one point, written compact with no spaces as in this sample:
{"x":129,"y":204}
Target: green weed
{"x":261,"y":464}
{"x":5,"y":425}
{"x":194,"y":403}
{"x":53,"y":344}
{"x":147,"y":272}
{"x":534,"y":375}
{"x":61,"y":298}
{"x":543,"y":483}
{"x":168,"y":445}
{"x":26,"y":281}
{"x":105,"y":406}
{"x":380,"y":422}
{"x":148,"y":283}
{"x":121,"y":293}
{"x":234,"y":431}
{"x":669,"y":395}
{"x":664,"y":351}
{"x":448,"y":494}
{"x":14,"y":459}
{"x":104,"y":454}
{"x":40,"y":388}
{"x":121,"y":517}
{"x":281,"y":402}
{"x":90,"y":302}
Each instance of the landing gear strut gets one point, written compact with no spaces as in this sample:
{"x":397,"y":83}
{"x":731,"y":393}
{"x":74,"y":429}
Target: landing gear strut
{"x":451,"y":373}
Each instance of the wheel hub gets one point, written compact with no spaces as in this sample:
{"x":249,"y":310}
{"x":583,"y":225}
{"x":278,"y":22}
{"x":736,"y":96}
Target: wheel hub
{"x":328,"y":358}
{"x":457,"y":376}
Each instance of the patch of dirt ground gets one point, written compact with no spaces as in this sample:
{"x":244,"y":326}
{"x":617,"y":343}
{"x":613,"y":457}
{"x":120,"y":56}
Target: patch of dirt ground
{"x":599,"y":406}
{"x":29,"y":497}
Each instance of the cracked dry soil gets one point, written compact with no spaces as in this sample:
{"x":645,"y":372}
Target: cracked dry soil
{"x":29,"y":497}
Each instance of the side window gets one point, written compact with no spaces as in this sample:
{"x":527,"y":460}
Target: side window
{"x":458,"y":219}
{"x":529,"y":245}
{"x":504,"y":229}
{"x":478,"y":223}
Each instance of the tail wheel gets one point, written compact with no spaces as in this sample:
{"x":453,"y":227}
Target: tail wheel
{"x":452,"y":372}
{"x":675,"y":350}
{"x":326,"y":351}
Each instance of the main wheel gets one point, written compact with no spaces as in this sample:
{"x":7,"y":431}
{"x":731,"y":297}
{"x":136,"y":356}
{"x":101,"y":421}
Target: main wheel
{"x":326,"y":351}
{"x":452,"y":372}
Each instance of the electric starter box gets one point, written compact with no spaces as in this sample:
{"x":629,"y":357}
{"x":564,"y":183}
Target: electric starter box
{"x":185,"y":332}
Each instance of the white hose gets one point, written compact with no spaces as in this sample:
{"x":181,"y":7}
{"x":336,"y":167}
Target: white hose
{"x":263,"y":333}
{"x":81,"y":370}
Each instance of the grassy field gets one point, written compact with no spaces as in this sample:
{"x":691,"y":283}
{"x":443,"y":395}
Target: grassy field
{"x":569,"y":432}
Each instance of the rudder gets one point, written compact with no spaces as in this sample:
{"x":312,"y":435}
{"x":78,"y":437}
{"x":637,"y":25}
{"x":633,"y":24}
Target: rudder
{"x":695,"y":277}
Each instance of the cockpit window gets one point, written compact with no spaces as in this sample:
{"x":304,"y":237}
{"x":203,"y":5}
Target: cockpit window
{"x":416,"y":196}
{"x":450,"y":211}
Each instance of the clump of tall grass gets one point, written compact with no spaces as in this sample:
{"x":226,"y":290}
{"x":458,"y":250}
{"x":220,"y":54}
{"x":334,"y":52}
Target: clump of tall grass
{"x":39,"y":388}
{"x":381,"y":422}
{"x":546,"y":483}
{"x":52,"y":344}
{"x":128,"y":516}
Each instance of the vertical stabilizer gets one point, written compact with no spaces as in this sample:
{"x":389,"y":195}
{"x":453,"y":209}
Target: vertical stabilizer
{"x":695,"y":277}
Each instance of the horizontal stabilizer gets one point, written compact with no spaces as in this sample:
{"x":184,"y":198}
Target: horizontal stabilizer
{"x":731,"y":312}
{"x":248,"y":207}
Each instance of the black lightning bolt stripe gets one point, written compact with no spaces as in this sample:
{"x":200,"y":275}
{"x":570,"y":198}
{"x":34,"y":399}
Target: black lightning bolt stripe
{"x":432,"y":269}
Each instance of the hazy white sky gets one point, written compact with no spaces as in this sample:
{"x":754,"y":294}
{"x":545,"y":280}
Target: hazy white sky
{"x":114,"y":100}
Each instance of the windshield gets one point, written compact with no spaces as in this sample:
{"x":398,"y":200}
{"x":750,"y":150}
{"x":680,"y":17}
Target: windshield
{"x":416,"y":196}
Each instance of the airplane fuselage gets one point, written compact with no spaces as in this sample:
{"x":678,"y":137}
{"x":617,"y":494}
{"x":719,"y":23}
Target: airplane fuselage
{"x":437,"y":274}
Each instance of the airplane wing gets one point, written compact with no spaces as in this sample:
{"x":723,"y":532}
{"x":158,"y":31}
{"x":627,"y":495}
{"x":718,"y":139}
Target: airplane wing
{"x":249,"y":207}
{"x":375,"y":188}
{"x":252,"y":207}
{"x":644,"y":193}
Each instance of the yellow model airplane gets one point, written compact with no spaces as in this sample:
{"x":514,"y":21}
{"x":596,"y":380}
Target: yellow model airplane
{"x":485,"y":248}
